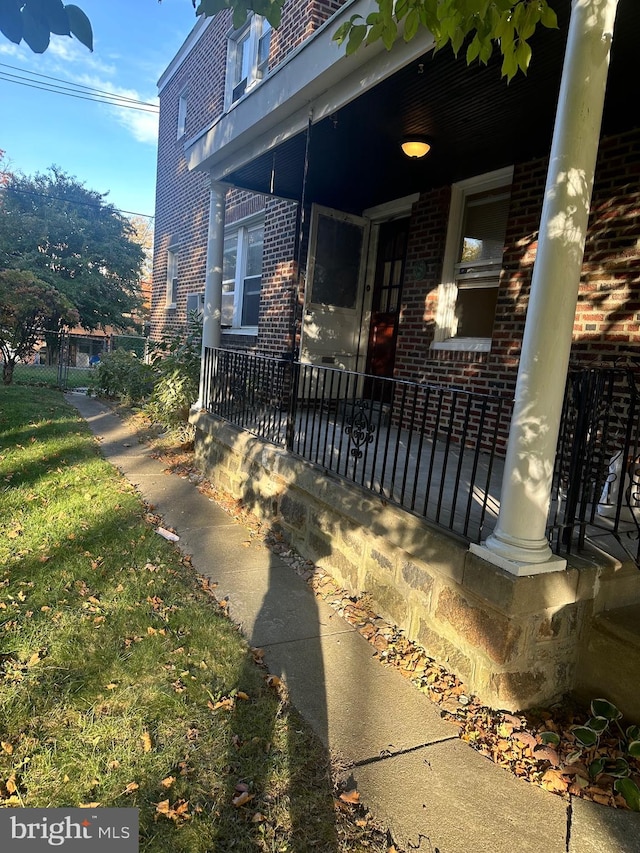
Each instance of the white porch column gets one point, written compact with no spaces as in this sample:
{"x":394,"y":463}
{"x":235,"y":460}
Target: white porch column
{"x":518,"y":543}
{"x":212,"y":314}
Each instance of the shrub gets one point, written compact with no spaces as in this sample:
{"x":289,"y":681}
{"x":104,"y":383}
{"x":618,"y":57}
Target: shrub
{"x":176,"y":368}
{"x":122,"y":374}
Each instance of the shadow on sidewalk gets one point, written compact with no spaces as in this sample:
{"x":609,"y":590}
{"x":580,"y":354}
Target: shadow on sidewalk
{"x":281,"y":783}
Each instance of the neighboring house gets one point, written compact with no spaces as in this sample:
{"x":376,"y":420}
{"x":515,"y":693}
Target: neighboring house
{"x":350,"y":287}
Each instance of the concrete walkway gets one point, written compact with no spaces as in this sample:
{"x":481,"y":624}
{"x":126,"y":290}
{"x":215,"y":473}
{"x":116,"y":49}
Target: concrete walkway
{"x":434,"y":792}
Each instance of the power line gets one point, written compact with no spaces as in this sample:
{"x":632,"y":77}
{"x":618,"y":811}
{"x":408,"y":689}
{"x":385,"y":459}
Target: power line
{"x":112,"y":103}
{"x":89,"y":89}
{"x":78,"y":201}
{"x":110,"y":100}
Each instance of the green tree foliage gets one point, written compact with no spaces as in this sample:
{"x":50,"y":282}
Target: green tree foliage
{"x":28,"y":306}
{"x":35,"y":21}
{"x":480,"y":25}
{"x":68,"y":237}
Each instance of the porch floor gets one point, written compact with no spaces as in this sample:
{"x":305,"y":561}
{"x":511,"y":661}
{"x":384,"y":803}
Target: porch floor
{"x":453,"y":486}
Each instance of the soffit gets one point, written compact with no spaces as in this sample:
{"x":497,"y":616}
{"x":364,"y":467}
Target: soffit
{"x":475,"y":120}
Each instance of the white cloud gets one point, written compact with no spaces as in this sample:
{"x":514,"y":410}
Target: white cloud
{"x":141,"y":123}
{"x":10,"y":49}
{"x":68,"y":60}
{"x":143,"y":126}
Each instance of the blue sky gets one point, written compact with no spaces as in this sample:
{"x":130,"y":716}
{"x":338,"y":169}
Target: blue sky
{"x":106,"y":147}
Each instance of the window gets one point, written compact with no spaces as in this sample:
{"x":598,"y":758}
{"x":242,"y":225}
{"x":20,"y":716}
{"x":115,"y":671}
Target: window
{"x":182,"y":112}
{"x":242,"y":276}
{"x":473,"y":261}
{"x":247,"y":57}
{"x":172,"y":278}
{"x":195,"y":304}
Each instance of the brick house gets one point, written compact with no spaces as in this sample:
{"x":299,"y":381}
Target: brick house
{"x":326,"y":253}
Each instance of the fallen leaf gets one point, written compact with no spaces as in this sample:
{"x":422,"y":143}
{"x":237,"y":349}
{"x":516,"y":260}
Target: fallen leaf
{"x":163,"y":807}
{"x":242,"y":798}
{"x":168,"y":781}
{"x":242,"y":695}
{"x":89,"y":805}
{"x":7,"y":747}
{"x":555,"y":781}
{"x":545,"y":753}
{"x":258,"y":818}
{"x":352,"y":797}
{"x":273,"y":681}
{"x":525,"y":739}
{"x":227,"y":703}
{"x":131,"y":787}
{"x":147,"y":745}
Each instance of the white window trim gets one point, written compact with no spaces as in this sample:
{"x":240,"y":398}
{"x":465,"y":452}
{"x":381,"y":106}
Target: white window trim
{"x":183,"y":99}
{"x":241,"y":227}
{"x":253,"y":26}
{"x":172,"y":273}
{"x":448,"y":290}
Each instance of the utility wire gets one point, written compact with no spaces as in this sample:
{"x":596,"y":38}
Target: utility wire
{"x":110,"y":99}
{"x":78,"y":201}
{"x":89,"y":89}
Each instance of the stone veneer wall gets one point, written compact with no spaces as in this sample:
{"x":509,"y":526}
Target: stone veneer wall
{"x":514,"y":641}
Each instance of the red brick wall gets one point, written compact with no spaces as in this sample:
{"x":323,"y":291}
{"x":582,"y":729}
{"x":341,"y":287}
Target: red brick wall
{"x":182,"y":197}
{"x":608,"y":311}
{"x":300,"y":18}
{"x":608,"y":315}
{"x":279,"y":279}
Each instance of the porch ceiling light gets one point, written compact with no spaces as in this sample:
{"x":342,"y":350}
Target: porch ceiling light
{"x":415,"y":147}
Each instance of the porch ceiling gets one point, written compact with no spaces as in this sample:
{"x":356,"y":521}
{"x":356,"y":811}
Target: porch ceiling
{"x":475,"y":121}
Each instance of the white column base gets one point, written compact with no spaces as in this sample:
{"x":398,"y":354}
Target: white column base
{"x":518,"y":567}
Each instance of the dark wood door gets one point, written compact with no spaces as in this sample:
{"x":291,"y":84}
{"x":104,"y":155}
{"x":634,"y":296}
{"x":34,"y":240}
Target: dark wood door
{"x":387,"y":293}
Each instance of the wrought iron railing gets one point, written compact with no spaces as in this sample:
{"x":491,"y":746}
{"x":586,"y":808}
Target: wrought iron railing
{"x":596,"y":485}
{"x":438,"y":451}
{"x":431,"y":449}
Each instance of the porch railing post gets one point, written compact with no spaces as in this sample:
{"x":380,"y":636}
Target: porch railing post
{"x":292,"y":382}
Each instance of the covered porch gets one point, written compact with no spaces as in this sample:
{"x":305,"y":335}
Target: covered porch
{"x":498,"y":598}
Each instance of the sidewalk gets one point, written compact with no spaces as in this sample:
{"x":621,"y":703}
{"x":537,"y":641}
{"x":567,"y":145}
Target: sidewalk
{"x":434,"y":792}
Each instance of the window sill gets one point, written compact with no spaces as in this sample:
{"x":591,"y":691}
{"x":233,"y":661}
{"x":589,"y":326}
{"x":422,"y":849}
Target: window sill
{"x":241,"y":330}
{"x":171,"y":307}
{"x":463,"y":345}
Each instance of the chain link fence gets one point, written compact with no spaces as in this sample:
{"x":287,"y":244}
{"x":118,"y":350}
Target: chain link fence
{"x":69,"y":360}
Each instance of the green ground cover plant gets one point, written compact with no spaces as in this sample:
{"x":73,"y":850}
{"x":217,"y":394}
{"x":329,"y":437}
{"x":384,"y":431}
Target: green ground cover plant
{"x":123,"y":682}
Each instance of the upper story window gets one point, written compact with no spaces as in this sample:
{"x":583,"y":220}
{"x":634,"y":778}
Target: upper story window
{"x":473,"y":261}
{"x":247,"y":57}
{"x":242,"y":276}
{"x":172,"y":279}
{"x":182,"y":112}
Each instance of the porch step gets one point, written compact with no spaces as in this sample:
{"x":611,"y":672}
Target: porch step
{"x":609,"y":665}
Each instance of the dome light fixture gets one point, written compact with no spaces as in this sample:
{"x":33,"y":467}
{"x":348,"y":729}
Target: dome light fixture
{"x":415,"y":147}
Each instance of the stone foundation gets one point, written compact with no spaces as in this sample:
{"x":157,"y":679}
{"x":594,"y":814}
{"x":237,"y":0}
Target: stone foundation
{"x":514,"y":641}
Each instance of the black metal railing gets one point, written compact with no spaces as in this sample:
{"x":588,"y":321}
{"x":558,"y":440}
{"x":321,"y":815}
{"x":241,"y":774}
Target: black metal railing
{"x":596,"y":484}
{"x":433,"y":450}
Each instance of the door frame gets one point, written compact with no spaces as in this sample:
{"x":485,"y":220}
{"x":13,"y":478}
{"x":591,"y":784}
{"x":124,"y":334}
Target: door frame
{"x":400,"y":208}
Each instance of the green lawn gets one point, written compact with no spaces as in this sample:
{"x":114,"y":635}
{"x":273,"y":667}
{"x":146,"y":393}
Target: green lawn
{"x":43,"y":374}
{"x":122,"y":682}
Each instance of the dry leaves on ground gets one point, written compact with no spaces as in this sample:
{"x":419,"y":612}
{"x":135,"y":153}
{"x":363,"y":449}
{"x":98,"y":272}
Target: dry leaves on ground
{"x":515,"y":742}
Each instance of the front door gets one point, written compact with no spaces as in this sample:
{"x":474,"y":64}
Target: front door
{"x":387,"y":291}
{"x":332,"y":334}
